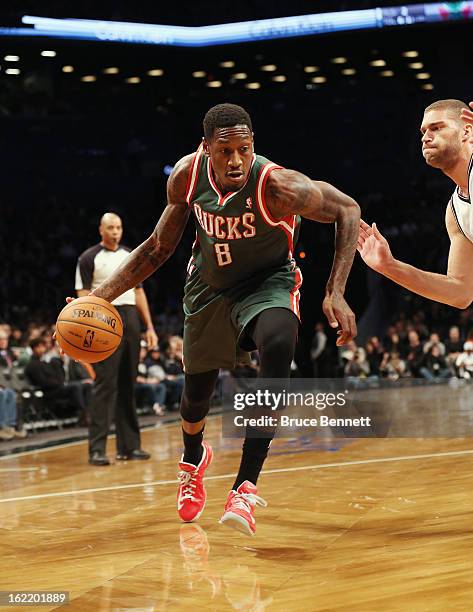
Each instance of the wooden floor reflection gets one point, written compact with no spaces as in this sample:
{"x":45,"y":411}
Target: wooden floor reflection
{"x":361,"y":524}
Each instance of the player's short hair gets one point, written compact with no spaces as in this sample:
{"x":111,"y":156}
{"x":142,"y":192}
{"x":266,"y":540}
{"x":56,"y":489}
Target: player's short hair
{"x":454,"y":107}
{"x":225,"y":115}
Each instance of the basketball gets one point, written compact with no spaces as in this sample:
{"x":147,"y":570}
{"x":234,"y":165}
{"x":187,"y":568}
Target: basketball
{"x":89,"y":329}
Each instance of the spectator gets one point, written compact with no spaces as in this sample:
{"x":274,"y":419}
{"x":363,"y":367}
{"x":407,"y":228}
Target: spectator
{"x":7,"y":357}
{"x":415,"y":353}
{"x":152,"y":383}
{"x":435,"y":365}
{"x":169,"y":367}
{"x":356,"y":365}
{"x":172,"y":365}
{"x":8,"y":415}
{"x":52,"y":349}
{"x":434,"y":340}
{"x":392,"y":366}
{"x":50,"y":378}
{"x":464,"y":361}
{"x":453,"y":347}
{"x":374,"y":355}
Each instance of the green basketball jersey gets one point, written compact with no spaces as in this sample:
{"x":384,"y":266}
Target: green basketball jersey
{"x":236,"y":236}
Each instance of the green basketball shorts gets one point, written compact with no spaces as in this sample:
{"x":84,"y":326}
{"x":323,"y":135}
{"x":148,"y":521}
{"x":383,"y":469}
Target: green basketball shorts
{"x":215,"y":320}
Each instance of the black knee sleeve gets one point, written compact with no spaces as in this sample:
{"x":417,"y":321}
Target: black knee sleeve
{"x":195,"y":401}
{"x":275,"y":335}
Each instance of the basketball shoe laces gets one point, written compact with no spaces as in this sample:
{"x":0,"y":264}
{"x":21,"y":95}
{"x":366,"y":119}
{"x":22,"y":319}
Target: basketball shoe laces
{"x":244,"y":501}
{"x":188,"y":482}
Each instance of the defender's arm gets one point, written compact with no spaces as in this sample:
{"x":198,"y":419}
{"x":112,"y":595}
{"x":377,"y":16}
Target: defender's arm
{"x":454,"y":288}
{"x":154,"y":251}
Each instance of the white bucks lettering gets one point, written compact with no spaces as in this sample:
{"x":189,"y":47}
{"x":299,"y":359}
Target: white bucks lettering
{"x":80,"y":313}
{"x":225,"y":228}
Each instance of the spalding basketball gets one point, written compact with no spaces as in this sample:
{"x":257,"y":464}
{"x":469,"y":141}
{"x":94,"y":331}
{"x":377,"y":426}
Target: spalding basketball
{"x":89,"y":329}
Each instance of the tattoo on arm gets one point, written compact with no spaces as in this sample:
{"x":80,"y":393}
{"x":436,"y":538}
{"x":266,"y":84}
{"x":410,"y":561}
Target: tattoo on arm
{"x":154,"y":251}
{"x":291,"y":193}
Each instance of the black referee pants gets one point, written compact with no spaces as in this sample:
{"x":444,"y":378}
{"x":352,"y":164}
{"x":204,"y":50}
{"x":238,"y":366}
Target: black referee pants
{"x":113,"y":393}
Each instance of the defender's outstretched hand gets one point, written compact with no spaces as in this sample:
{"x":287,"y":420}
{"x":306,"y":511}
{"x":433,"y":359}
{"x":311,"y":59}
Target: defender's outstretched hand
{"x":373,"y":247}
{"x":467,"y":115}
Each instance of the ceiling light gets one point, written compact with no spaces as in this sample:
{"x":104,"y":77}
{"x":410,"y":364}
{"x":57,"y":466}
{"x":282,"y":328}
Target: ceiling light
{"x":11,"y":58}
{"x":88,"y":78}
{"x":253,"y":85}
{"x":199,"y":74}
{"x":349,"y":71}
{"x":268,"y":68}
{"x":422,"y":75}
{"x":68,"y":68}
{"x":310,"y":69}
{"x":133,"y":80}
{"x":227,"y":64}
{"x":410,"y":54}
{"x":319,"y":79}
{"x":427,"y":86}
{"x":240,"y":76}
{"x":111,"y":70}
{"x":386,"y":73}
{"x":279,"y":78}
{"x":214,"y":84}
{"x":12,"y":71}
{"x":416,"y":65}
{"x":339,"y":60}
{"x":155,"y":72}
{"x":48,"y":53}
{"x":378,"y":63}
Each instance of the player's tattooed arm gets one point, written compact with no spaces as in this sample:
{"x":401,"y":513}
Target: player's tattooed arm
{"x":289,"y":192}
{"x":156,"y":249}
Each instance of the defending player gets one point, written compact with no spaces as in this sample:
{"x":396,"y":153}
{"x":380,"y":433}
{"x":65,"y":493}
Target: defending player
{"x":447,"y":144}
{"x":242,"y":288}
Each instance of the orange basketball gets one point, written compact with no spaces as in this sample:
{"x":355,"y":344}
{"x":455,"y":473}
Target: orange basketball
{"x":89,"y":329}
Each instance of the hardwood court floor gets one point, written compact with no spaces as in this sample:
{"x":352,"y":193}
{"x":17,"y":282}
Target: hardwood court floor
{"x":359,"y":525}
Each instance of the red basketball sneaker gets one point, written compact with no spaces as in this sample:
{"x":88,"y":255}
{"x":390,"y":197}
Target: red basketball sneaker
{"x":240,"y":508}
{"x":191,"y":494}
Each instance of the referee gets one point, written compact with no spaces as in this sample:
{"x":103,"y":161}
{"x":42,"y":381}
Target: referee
{"x":113,"y":390}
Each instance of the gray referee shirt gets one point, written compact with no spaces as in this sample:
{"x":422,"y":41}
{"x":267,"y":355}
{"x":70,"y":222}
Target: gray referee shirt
{"x":96,"y":264}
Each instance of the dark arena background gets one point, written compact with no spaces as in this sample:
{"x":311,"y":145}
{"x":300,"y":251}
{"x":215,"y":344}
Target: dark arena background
{"x":94,"y":123}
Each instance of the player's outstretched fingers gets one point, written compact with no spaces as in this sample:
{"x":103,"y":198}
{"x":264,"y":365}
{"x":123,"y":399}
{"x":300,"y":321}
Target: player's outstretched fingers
{"x":70,"y":299}
{"x":365,"y":227}
{"x":363,"y":233}
{"x":376,"y":231}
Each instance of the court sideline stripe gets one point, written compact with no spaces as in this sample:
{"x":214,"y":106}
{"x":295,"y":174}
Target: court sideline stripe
{"x":232,"y":475}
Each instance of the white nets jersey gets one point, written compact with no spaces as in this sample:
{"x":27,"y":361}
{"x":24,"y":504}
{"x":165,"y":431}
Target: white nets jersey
{"x":462,"y":207}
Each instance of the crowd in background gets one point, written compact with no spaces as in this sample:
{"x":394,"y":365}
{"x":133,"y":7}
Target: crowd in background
{"x":30,"y":361}
{"x":410,"y":348}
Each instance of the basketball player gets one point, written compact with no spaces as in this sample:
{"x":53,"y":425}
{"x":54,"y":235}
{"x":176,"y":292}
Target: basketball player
{"x":242,"y":288}
{"x":447,"y":144}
